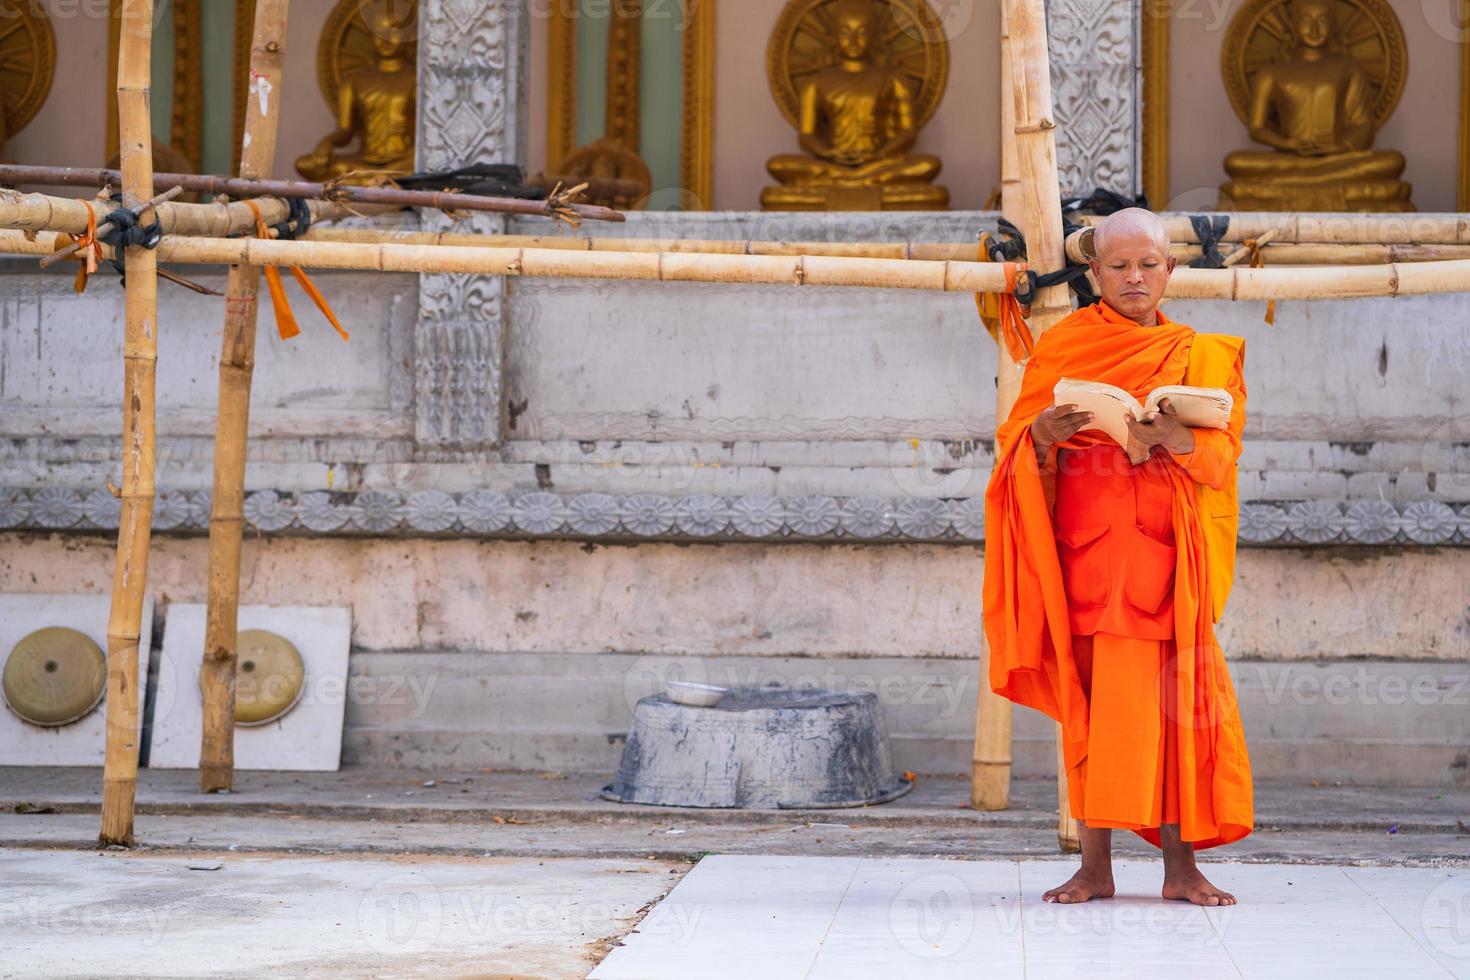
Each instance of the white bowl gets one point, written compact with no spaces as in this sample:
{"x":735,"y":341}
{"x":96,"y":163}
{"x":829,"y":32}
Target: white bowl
{"x":695,"y":694}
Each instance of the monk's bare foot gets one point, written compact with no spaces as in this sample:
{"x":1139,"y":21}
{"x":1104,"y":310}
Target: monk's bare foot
{"x":1189,"y":885}
{"x":1083,"y":886}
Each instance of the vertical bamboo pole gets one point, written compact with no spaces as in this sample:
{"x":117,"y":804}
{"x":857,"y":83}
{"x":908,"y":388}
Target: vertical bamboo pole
{"x":232,"y":425}
{"x":140,"y":356}
{"x":1036,"y":151}
{"x":990,"y":763}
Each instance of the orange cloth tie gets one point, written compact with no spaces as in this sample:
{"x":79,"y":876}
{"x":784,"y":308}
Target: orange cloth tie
{"x":1259,"y":262}
{"x":1002,"y":313}
{"x":286,"y":320}
{"x":89,"y":251}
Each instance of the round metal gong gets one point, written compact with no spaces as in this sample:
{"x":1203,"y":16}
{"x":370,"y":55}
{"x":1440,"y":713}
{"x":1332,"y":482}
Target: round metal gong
{"x":54,"y":677}
{"x":269,"y":677}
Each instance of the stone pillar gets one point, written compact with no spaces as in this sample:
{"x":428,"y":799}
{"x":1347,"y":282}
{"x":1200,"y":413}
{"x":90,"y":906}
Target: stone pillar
{"x":472,"y":80}
{"x":1095,"y":81}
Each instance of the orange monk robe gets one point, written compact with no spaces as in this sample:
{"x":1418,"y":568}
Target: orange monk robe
{"x":1205,"y":775}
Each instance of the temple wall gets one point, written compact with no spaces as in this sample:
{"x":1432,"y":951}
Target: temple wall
{"x":1203,"y":128}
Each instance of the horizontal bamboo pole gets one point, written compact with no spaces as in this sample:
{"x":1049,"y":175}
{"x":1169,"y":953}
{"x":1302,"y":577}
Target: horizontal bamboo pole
{"x":798,"y":270}
{"x":1321,"y":253}
{"x":927,"y":251}
{"x":1370,"y":229}
{"x":1236,"y":283}
{"x":1277,"y":253}
{"x":42,"y":212}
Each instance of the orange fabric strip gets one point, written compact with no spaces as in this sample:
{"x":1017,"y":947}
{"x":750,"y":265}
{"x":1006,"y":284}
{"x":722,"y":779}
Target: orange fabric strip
{"x":89,"y":253}
{"x":286,"y":324}
{"x":1001,"y":313}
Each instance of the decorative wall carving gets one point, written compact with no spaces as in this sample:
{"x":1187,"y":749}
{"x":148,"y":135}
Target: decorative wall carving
{"x":1095,"y":62}
{"x":472,"y":71}
{"x":653,"y":516}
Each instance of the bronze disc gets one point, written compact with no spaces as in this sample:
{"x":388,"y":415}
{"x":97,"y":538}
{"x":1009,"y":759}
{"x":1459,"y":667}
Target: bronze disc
{"x":269,"y":677}
{"x":54,"y":677}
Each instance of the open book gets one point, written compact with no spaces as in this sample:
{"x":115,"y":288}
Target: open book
{"x":1111,"y":406}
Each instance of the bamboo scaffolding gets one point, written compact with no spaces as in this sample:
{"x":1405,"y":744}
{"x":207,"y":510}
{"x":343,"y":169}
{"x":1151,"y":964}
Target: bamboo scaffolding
{"x":140,"y":356}
{"x":990,"y":759}
{"x":232,"y":423}
{"x":1036,"y":151}
{"x":558,"y":206}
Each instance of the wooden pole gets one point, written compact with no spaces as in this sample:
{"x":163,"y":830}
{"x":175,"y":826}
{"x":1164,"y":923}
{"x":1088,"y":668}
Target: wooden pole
{"x":1234,"y":283}
{"x":559,"y":206}
{"x":1036,"y":151}
{"x":797,"y":270}
{"x":930,"y":251}
{"x":140,"y":355}
{"x":1358,"y":229}
{"x":232,"y":423}
{"x":990,"y":761}
{"x":42,"y":212}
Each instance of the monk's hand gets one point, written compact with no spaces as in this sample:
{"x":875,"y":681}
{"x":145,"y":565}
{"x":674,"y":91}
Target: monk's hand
{"x":1162,"y":428}
{"x":1056,"y":424}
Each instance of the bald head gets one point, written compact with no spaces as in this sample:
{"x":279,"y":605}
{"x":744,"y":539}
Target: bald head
{"x":1130,"y":224}
{"x":1133,"y":264}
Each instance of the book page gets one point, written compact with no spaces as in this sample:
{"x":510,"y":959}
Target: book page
{"x":1198,"y":408}
{"x":1110,"y":405}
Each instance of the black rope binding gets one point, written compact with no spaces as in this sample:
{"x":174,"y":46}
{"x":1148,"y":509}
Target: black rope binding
{"x":1209,"y":229}
{"x":298,"y":220}
{"x":126,"y":233}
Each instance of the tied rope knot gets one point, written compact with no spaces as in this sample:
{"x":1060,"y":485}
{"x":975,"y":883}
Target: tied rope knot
{"x":89,"y":250}
{"x":1258,"y":261}
{"x":286,"y":324}
{"x":1002,"y":312}
{"x":1209,"y":229}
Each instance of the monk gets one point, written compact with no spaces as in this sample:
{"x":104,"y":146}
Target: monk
{"x":1103,"y":579}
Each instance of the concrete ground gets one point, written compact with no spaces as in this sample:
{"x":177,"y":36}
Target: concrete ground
{"x":387,"y":872}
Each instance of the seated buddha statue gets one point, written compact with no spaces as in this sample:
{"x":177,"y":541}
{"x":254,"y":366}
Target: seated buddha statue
{"x":857,"y":126}
{"x":375,"y":107}
{"x":1314,"y":108}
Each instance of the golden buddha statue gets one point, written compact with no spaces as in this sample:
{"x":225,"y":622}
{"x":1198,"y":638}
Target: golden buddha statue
{"x":1316,"y":108}
{"x":375,"y":105}
{"x":857,"y":120}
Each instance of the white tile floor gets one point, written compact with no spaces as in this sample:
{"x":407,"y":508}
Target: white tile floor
{"x":805,"y":918}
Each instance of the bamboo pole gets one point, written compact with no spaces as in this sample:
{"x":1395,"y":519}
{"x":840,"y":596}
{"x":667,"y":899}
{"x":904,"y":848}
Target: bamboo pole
{"x":1361,"y":229}
{"x":232,"y":423}
{"x":1036,"y":151}
{"x":990,"y":759}
{"x":1235,"y":283}
{"x":928,"y":251}
{"x":140,"y":355}
{"x":798,"y":270}
{"x":554,"y":207}
{"x":42,"y":212}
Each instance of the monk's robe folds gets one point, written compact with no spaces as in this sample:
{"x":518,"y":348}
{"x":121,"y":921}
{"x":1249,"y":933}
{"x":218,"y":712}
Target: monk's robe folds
{"x":1169,"y":745}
